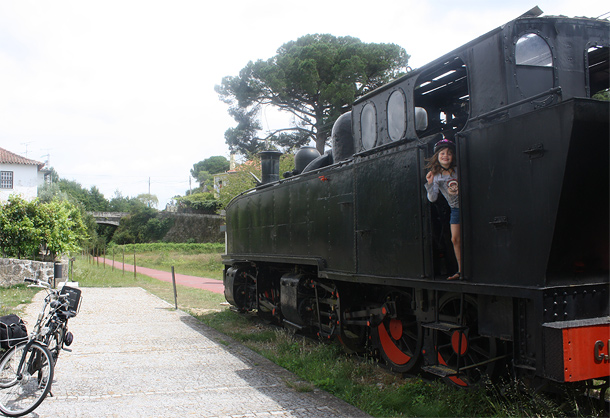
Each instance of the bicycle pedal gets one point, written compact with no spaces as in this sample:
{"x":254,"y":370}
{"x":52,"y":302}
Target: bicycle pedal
{"x":69,"y":350}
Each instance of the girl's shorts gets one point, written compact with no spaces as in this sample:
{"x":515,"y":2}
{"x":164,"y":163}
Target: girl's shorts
{"x":455,"y":216}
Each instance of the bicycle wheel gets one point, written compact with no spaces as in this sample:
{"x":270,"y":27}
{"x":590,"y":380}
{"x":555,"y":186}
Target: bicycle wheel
{"x":23,"y":389}
{"x":8,"y":374}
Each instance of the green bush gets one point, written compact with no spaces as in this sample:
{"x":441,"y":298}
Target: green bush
{"x":26,"y":228}
{"x":198,"y":203}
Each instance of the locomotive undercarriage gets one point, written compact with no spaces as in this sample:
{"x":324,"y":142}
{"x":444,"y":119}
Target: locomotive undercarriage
{"x":403,"y":327}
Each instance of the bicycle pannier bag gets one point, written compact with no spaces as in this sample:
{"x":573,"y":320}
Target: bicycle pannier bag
{"x":12,"y":331}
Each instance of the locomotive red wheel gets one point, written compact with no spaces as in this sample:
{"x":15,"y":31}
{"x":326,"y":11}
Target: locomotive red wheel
{"x":400,"y":339}
{"x":476,"y":352}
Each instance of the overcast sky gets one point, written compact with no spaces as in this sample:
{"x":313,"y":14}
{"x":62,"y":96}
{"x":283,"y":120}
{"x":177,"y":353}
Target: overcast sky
{"x":120,"y":94}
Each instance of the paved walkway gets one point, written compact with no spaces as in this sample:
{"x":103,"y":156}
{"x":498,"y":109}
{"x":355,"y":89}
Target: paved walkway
{"x":135,"y":356}
{"x":212,"y":285}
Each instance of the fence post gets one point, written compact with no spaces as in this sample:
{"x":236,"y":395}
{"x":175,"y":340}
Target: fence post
{"x":134,"y":262}
{"x":123,"y":261}
{"x":175,"y":293}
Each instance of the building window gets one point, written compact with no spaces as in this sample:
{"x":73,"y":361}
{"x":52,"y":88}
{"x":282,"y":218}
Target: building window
{"x":6,"y":179}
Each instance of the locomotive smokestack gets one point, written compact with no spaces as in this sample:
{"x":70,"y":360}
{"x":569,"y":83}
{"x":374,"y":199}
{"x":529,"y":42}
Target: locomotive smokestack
{"x":270,"y":166}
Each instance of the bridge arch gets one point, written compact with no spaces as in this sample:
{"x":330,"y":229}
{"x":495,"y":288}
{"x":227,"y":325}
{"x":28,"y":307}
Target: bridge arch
{"x":108,"y":218}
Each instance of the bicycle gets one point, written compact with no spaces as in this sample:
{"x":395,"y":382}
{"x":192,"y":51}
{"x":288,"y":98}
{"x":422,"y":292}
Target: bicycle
{"x":26,"y":369}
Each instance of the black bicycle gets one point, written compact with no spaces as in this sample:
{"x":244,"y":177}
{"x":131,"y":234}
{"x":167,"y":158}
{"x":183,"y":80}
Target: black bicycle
{"x":26,"y":370}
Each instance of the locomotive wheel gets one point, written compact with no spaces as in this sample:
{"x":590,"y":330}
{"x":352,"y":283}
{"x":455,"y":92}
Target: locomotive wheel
{"x":474,"y":349}
{"x":400,"y":338}
{"x":244,"y":290}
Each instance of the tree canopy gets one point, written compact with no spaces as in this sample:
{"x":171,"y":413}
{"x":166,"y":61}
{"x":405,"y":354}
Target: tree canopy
{"x":315,"y":79}
{"x":204,"y":170}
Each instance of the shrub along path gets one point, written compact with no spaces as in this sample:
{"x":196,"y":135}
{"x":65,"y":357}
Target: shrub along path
{"x":212,"y":285}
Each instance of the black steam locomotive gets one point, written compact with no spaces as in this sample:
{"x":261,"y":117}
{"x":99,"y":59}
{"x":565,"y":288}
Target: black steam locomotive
{"x":349,"y":247}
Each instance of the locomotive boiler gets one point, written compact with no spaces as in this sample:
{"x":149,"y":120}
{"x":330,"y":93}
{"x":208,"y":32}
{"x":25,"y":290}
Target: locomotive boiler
{"x":348,"y":246}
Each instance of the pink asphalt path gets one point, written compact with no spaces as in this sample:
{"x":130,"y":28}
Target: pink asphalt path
{"x":211,"y":285}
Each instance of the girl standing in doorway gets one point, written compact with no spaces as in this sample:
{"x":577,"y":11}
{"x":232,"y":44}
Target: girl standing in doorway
{"x":443,"y":177}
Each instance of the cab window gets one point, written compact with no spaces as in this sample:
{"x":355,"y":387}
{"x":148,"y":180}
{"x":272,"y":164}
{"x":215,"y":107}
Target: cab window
{"x":441,"y":94}
{"x":368,"y":126}
{"x":534,"y":65}
{"x":597,"y":72}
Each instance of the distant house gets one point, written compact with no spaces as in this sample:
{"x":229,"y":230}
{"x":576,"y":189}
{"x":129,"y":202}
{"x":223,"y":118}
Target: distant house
{"x":221,"y":179}
{"x":20,"y":176}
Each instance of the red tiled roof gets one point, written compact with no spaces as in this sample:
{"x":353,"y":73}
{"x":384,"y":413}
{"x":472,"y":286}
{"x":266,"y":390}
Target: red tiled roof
{"x":7,"y":157}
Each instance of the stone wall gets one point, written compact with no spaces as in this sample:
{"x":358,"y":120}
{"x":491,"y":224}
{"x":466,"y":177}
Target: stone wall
{"x":14,"y":271}
{"x":195,"y":228}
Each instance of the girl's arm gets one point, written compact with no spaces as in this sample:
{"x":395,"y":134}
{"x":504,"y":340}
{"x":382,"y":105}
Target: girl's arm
{"x":431,"y":187}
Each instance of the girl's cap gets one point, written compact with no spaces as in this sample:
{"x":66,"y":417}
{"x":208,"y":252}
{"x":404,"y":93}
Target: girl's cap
{"x":445,"y":143}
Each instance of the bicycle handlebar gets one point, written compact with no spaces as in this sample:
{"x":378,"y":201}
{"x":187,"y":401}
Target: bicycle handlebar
{"x":38,"y":283}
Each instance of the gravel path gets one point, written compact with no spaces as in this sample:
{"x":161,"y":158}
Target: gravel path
{"x":135,"y":356}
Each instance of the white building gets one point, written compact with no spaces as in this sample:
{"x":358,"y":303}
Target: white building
{"x":20,"y":176}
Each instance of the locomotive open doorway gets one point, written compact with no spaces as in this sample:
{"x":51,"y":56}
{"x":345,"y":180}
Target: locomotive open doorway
{"x":443,"y":94}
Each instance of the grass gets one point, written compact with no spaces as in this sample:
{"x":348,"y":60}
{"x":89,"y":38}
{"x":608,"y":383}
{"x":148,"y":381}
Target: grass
{"x":359,"y":381}
{"x":13,"y":299}
{"x":189,"y":259}
{"x":89,"y":274}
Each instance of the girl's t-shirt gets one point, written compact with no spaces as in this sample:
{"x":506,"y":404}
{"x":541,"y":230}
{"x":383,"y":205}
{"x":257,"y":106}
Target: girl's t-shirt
{"x":447,"y":184}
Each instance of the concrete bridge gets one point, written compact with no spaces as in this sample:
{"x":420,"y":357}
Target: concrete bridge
{"x":108,"y":218}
